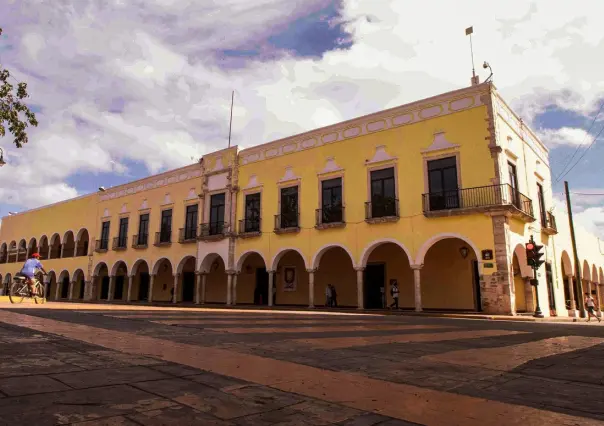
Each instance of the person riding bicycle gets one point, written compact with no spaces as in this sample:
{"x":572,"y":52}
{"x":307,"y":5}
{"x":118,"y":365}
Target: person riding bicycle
{"x":29,"y":270}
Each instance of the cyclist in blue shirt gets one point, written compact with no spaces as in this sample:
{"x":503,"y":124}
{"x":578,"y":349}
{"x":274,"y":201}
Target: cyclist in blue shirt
{"x":29,"y":270}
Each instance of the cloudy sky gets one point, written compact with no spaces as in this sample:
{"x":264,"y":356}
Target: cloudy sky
{"x":126,"y":88}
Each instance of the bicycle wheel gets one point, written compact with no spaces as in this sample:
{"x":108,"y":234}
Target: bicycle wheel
{"x":18,"y":291}
{"x":40,"y":294}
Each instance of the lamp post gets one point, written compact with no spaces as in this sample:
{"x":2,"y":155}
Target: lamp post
{"x":2,"y":162}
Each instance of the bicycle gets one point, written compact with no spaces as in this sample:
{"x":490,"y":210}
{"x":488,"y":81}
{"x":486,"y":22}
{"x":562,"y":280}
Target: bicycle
{"x":19,"y":290}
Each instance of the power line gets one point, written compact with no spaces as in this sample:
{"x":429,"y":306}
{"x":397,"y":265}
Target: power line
{"x":584,"y":152}
{"x":567,"y":163}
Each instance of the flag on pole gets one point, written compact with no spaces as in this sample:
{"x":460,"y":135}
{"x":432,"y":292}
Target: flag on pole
{"x":469,"y":30}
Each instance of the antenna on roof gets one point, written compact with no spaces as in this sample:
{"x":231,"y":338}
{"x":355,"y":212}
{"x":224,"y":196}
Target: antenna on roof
{"x":231,"y":121}
{"x":470,"y":31}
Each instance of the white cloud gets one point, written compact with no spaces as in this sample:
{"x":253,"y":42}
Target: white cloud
{"x":161,"y":60}
{"x":569,"y":136}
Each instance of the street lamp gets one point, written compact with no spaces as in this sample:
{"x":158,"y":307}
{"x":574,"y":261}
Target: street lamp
{"x":2,"y":162}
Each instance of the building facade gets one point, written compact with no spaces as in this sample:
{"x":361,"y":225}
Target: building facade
{"x":438,"y":196}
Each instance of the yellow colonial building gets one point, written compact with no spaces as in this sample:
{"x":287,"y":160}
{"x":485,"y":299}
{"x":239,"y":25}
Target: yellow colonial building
{"x":438,"y":196}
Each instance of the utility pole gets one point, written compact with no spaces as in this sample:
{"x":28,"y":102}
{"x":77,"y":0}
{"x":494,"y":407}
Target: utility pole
{"x":575,"y":254}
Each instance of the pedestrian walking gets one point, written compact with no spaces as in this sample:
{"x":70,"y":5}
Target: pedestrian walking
{"x":394,"y":292}
{"x":328,"y":296}
{"x":590,"y":304}
{"x":334,"y":296}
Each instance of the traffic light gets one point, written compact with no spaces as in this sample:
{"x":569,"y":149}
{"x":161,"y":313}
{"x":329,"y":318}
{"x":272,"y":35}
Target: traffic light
{"x":534,"y":253}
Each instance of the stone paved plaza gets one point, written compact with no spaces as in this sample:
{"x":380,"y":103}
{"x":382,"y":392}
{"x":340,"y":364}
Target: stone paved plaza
{"x":89,"y":364}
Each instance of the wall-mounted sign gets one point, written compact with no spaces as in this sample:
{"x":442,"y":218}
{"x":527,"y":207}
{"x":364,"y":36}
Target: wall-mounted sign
{"x":487,"y":255}
{"x":488,"y":265}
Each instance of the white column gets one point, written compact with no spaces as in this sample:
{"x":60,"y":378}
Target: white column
{"x":197,"y":287}
{"x":599,"y":299}
{"x":229,"y":288}
{"x":571,"y":293}
{"x":203,"y":288}
{"x":360,"y":287}
{"x":150,"y":295}
{"x":71,"y":286}
{"x":111,"y":288}
{"x":234,"y":290}
{"x":311,"y":287}
{"x":129,"y":294}
{"x":175,"y":296}
{"x":417,"y":288}
{"x":271,"y":284}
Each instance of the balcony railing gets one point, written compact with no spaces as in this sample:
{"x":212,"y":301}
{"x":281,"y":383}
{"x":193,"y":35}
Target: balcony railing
{"x":213,"y":229}
{"x":381,"y":208}
{"x":163,"y":238}
{"x":120,"y":243}
{"x":249,"y":226}
{"x":100,"y":246}
{"x":548,"y":224}
{"x":187,"y":235}
{"x":329,"y":216}
{"x":290,"y":221}
{"x":478,"y":197}
{"x":140,"y":241}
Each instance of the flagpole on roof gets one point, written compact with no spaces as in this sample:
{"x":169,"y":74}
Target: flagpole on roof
{"x":231,"y":121}
{"x":470,"y":31}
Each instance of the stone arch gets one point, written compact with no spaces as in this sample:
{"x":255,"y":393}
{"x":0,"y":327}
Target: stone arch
{"x":334,"y":265}
{"x":186,"y":279}
{"x":448,"y":278}
{"x":79,"y":284}
{"x":51,"y":284}
{"x":520,"y":253}
{"x":316,"y":259}
{"x":69,"y":244}
{"x":421,"y":254}
{"x":99,"y":267}
{"x":524,"y":294}
{"x":32,"y":246}
{"x":139,"y":263}
{"x":568,"y":279}
{"x":119,"y":266}
{"x":140,"y":280}
{"x":82,"y":242}
{"x":43,"y":247}
{"x":163,"y":281}
{"x":63,"y":284}
{"x":101,"y":281}
{"x":567,"y":263}
{"x":594,"y":274}
{"x":3,"y":253}
{"x":586,"y":275}
{"x":601,"y":275}
{"x":119,"y":274}
{"x":208,"y":262}
{"x":183,"y":261}
{"x":375,"y":244}
{"x":22,"y":251}
{"x":243,"y":257}
{"x":277,"y":257}
{"x":55,"y":247}
{"x":12,"y":252}
{"x":216,"y":280}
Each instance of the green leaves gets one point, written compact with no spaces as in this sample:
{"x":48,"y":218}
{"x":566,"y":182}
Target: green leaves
{"x":14,"y":113}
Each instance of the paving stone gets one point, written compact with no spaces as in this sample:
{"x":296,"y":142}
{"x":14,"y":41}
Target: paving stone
{"x":112,"y":376}
{"x":177,"y":416}
{"x":176,"y":370}
{"x":33,"y":365}
{"x":28,"y":385}
{"x":109,"y":421}
{"x":217,"y":381}
{"x":77,"y":405}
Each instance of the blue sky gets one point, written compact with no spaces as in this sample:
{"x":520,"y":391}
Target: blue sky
{"x":137,"y":87}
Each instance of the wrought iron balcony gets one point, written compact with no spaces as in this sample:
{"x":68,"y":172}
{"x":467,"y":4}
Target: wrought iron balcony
{"x":213,"y":230}
{"x":482,"y":198}
{"x":289,"y":222}
{"x":100,"y":246}
{"x":329,"y":217}
{"x":250,"y":226}
{"x":120,"y":243}
{"x":548,"y":224}
{"x":380,"y":209}
{"x":140,"y":241}
{"x":163,"y":238}
{"x":187,"y":235}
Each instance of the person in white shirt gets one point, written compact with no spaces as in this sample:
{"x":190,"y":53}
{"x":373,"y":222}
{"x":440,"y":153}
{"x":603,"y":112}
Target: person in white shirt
{"x":591,"y":305}
{"x":394,"y":292}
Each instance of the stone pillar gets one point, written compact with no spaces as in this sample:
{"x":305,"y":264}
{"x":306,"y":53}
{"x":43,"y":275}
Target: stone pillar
{"x":197,"y":287}
{"x":175,"y":295}
{"x":91,"y":294}
{"x":311,"y":287}
{"x":360,"y":287}
{"x":417,"y":287}
{"x":571,"y":293}
{"x":150,"y":295}
{"x":58,"y":290}
{"x":71,"y":286}
{"x":129,"y":294}
{"x":204,"y":277}
{"x":271,"y":284}
{"x":599,"y":299}
{"x":529,"y":294}
{"x":229,"y":288}
{"x":62,"y":250}
{"x":234,"y":289}
{"x":111,"y":288}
